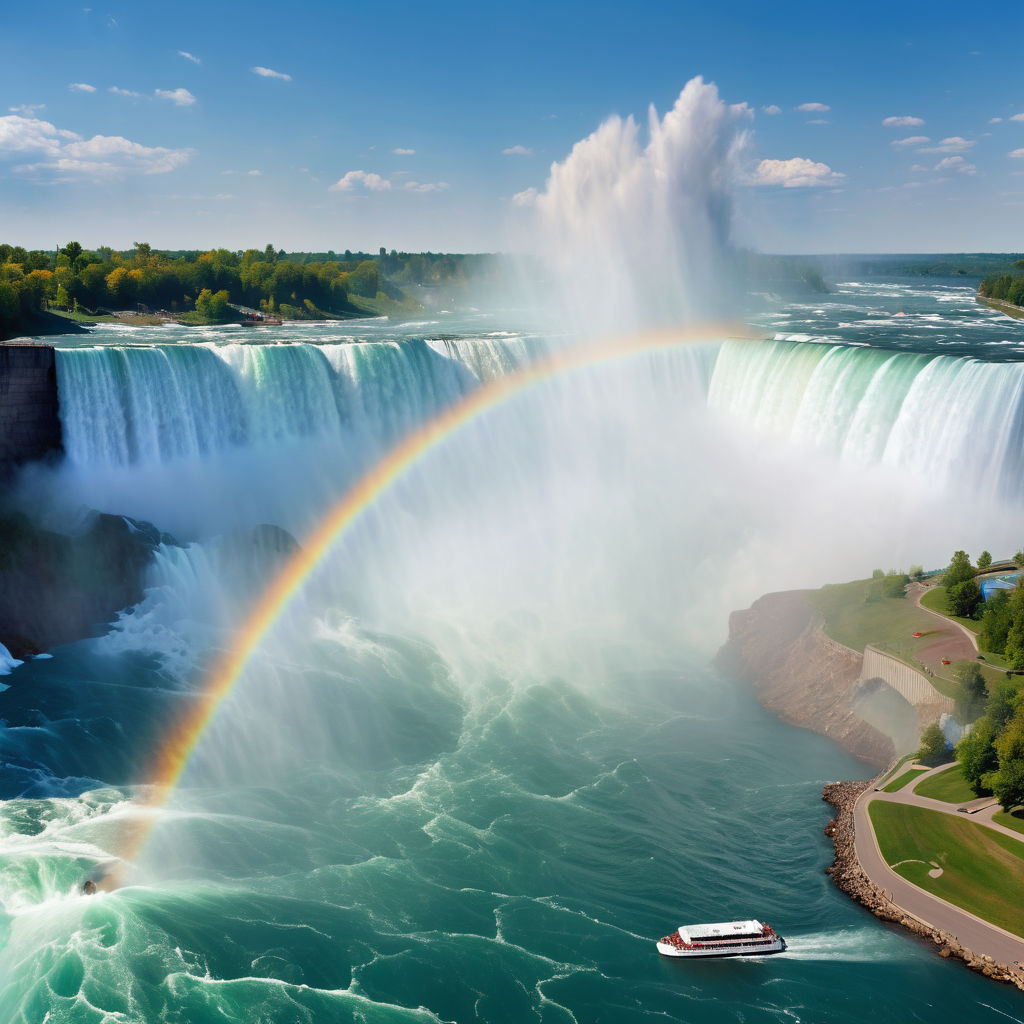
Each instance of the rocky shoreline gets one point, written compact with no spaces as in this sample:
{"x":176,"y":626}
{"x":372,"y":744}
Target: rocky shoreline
{"x":848,"y":875}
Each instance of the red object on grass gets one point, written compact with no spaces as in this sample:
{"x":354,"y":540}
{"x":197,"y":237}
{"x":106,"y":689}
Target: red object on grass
{"x":945,"y":661}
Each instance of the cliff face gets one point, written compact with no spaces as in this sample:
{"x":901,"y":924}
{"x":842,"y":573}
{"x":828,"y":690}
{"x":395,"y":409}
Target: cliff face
{"x":779,"y":645}
{"x":29,"y":419}
{"x":56,"y":588}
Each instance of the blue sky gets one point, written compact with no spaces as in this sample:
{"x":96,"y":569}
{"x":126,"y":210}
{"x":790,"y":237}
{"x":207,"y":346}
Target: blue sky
{"x":149,"y":122}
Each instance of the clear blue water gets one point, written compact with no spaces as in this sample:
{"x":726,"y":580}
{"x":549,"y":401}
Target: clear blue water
{"x":483,"y":763}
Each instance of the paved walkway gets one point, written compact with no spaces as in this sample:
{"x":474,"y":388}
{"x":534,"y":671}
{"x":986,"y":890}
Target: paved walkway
{"x":953,"y":641}
{"x":980,"y":936}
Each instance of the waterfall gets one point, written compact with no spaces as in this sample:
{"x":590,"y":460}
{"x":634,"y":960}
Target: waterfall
{"x":139,"y":405}
{"x":957,"y":422}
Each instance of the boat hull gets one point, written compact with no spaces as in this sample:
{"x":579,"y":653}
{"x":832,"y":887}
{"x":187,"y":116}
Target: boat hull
{"x":778,"y":946}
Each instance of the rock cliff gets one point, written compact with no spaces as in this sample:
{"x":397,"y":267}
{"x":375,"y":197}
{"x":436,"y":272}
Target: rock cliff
{"x":779,"y":645}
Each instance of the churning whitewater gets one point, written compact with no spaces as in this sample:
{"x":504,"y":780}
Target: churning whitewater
{"x":480,"y":762}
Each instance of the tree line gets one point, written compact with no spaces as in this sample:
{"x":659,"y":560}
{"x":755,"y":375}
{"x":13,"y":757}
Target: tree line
{"x":991,"y":755}
{"x":1004,"y":287}
{"x":292,"y":285}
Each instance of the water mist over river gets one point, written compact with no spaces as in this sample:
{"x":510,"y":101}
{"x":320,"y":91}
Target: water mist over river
{"x":480,"y":762}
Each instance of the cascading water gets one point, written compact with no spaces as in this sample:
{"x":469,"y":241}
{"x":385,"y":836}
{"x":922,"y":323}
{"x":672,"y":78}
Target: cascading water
{"x":479,"y":763}
{"x":920,"y":414}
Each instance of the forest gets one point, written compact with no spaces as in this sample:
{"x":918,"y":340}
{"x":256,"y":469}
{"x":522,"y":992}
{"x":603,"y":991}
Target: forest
{"x":203,"y":286}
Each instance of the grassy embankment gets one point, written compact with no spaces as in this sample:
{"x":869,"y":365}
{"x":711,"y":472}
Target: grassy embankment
{"x":935,"y":599}
{"x":1011,"y":819}
{"x":905,"y":779}
{"x":898,"y":765}
{"x":134,"y":320}
{"x":948,"y":786}
{"x":1017,"y":312}
{"x":982,"y":870}
{"x":856,"y":615}
{"x":358,"y":306}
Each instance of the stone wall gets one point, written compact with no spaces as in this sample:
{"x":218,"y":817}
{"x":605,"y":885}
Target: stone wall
{"x":914,"y":687}
{"x":29,"y":419}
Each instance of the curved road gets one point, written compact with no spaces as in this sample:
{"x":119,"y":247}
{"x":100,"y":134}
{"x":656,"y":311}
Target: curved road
{"x":978,"y":935}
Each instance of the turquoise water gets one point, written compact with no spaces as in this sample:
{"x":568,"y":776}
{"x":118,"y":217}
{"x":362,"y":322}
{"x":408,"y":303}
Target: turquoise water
{"x":484,"y":762}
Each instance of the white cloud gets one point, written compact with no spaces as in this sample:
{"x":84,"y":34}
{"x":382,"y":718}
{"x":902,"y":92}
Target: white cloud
{"x":30,"y":135}
{"x":366,"y":179}
{"x":180,"y":97}
{"x":66,"y":156}
{"x":995,"y":120}
{"x":426,"y":186}
{"x":271,"y":73}
{"x":914,"y":140}
{"x":1017,"y":117}
{"x":123,"y":92}
{"x":28,"y":109}
{"x":403,"y":152}
{"x":814,"y":108}
{"x":798,"y":172}
{"x":254,"y":174}
{"x":81,"y":87}
{"x":1017,"y":154}
{"x":818,"y":120}
{"x":525,"y":198}
{"x":955,"y":163}
{"x":189,"y":56}
{"x":954,"y":144}
{"x":518,"y":151}
{"x":772,"y":109}
{"x":903,"y":122}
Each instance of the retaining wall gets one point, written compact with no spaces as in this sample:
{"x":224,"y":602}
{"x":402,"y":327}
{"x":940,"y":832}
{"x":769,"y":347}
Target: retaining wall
{"x":909,"y":683}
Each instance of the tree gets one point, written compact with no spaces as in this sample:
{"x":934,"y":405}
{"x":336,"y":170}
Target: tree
{"x":1008,"y":781}
{"x":972,"y":682}
{"x":212,"y":306}
{"x":1015,"y":634}
{"x":963,"y":598}
{"x":877,"y":574}
{"x":72,"y":250}
{"x":915,"y":572}
{"x":933,"y":745}
{"x":977,"y":754}
{"x":995,"y":623}
{"x":1018,"y":559}
{"x":999,"y":708}
{"x":960,"y":569}
{"x":984,"y":561}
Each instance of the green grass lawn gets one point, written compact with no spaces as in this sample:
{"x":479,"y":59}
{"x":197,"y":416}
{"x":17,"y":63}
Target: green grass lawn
{"x":855,"y":620}
{"x":935,"y":599}
{"x":904,"y":780}
{"x":899,"y":764}
{"x":1011,"y":819}
{"x":982,"y":870}
{"x":948,"y":786}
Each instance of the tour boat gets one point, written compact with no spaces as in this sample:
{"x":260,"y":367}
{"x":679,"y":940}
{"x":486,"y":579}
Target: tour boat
{"x":731,"y":938}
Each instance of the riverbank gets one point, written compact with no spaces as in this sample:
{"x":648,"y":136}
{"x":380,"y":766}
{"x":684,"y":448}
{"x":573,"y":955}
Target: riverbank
{"x":1017,"y":312}
{"x":850,"y":877}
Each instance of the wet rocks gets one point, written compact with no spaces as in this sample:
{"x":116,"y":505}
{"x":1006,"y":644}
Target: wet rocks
{"x":56,"y":588}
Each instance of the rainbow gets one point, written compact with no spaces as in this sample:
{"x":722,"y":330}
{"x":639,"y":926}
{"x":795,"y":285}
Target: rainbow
{"x":182,"y":740}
